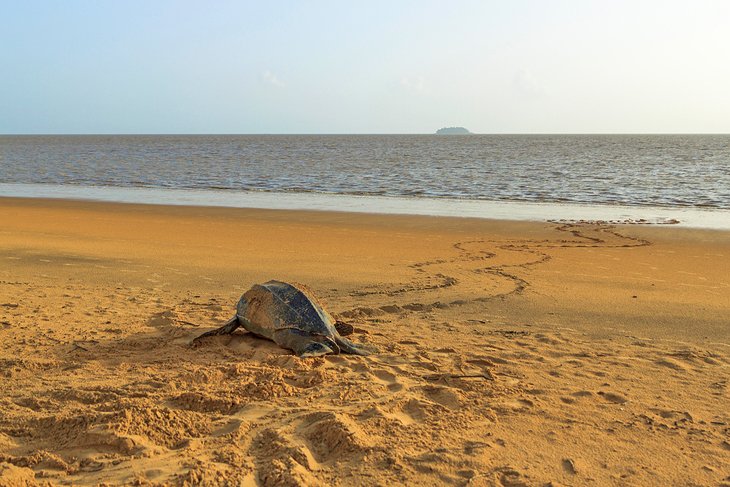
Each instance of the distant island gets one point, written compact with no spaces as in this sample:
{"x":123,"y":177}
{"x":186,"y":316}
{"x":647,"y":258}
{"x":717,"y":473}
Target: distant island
{"x":452,"y":131}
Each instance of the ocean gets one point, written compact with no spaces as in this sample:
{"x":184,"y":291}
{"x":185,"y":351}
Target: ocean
{"x":657,"y":171}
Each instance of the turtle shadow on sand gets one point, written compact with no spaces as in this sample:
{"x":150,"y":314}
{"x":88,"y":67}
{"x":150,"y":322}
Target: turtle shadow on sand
{"x":292,"y":317}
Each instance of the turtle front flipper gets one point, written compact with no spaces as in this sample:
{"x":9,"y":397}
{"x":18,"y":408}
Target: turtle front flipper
{"x":226,"y":329}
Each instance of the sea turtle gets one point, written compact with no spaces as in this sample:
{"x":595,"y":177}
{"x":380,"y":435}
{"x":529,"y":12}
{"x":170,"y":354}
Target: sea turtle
{"x":291,"y":316}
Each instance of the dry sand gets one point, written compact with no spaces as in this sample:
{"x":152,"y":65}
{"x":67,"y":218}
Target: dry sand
{"x":511,"y":353}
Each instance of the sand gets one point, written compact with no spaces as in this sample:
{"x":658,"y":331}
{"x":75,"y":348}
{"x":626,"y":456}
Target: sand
{"x":510,"y":353}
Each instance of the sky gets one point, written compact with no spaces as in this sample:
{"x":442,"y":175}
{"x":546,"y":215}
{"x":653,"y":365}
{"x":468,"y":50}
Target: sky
{"x":397,"y":66}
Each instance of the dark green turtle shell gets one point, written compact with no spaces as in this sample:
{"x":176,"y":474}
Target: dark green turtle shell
{"x":293,"y":317}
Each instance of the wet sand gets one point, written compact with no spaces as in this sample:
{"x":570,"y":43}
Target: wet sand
{"x":511,"y":353}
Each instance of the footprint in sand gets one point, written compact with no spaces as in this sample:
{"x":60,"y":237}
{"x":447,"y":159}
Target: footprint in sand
{"x":279,"y":460}
{"x":582,"y":394}
{"x":613,"y":397}
{"x":513,"y":405}
{"x":672,"y":364}
{"x":445,"y":396}
{"x":415,"y":411}
{"x":331,"y":436}
{"x":388,"y":379}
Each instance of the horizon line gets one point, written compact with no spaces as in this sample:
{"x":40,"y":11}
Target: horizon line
{"x":339,"y":133}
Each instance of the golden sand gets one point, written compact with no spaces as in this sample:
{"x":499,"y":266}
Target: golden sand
{"x":510,"y":353}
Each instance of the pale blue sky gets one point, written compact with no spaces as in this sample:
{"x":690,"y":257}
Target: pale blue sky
{"x":364,"y":67}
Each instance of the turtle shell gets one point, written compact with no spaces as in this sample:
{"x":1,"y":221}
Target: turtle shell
{"x":275,"y":305}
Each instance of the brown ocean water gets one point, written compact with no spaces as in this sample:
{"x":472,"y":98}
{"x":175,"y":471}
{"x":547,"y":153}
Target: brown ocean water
{"x":634,"y":170}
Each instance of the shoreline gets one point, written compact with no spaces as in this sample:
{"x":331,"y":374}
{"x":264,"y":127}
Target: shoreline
{"x":440,"y":207}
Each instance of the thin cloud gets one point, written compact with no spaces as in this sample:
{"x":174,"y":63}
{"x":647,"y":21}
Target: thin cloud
{"x":525,"y":84}
{"x":415,"y":84}
{"x":272,"y":79}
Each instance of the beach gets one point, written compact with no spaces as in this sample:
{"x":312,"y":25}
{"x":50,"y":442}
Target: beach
{"x":510,"y":352}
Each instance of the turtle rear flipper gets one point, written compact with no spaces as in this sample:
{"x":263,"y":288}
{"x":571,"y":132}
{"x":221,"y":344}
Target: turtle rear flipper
{"x":346,"y":346}
{"x":314,"y":349}
{"x":226,"y":329}
{"x":344,"y":328}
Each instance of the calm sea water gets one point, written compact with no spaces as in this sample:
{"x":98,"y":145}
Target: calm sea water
{"x":636,"y":170}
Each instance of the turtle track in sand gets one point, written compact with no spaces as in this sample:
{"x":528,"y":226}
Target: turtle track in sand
{"x":498,"y":279}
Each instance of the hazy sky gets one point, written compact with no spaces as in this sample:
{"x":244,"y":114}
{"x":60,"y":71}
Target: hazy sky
{"x":156,"y":66}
